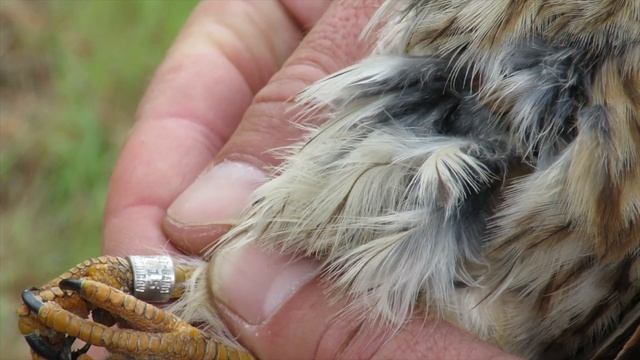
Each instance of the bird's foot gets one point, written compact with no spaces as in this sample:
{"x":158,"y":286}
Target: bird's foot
{"x":87,"y":301}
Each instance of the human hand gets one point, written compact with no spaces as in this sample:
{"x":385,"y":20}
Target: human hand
{"x":215,"y":107}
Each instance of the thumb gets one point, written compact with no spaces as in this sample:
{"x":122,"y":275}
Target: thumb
{"x":280,"y":310}
{"x":216,"y":198}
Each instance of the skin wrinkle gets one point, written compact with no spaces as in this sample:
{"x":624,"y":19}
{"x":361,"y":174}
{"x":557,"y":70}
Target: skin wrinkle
{"x":210,"y":140}
{"x":241,"y":57}
{"x":282,"y":89}
{"x":267,"y":52}
{"x":351,"y":339}
{"x":250,"y":143}
{"x":328,"y":47}
{"x":158,"y":103}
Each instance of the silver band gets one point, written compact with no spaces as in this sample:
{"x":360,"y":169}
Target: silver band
{"x":153,"y":277}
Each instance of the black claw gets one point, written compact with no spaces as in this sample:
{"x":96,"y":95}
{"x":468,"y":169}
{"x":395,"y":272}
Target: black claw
{"x":30,"y":299}
{"x":41,"y":347}
{"x":83,"y":350}
{"x":71,"y":284}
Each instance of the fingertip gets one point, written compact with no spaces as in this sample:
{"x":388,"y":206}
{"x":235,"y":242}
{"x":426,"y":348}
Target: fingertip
{"x":265,"y":299}
{"x":208,"y":207}
{"x":293,"y":332}
{"x":255,"y":283}
{"x":218,"y":195}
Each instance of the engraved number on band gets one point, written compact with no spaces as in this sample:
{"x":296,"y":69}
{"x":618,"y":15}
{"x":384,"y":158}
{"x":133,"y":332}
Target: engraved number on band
{"x":153,"y":277}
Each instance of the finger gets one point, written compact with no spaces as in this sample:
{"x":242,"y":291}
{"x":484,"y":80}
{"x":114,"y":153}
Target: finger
{"x":216,"y":199}
{"x":279,"y":310}
{"x":224,"y":54}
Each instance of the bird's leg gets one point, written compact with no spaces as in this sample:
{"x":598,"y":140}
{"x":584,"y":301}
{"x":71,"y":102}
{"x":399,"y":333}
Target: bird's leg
{"x":53,"y":316}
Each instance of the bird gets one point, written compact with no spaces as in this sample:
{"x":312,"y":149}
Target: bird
{"x":480,"y":166}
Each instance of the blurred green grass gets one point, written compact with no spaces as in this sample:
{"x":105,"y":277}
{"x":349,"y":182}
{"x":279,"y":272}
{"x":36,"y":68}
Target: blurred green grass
{"x":71,"y":74}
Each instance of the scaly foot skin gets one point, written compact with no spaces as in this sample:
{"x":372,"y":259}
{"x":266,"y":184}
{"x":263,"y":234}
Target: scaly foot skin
{"x":52,"y":317}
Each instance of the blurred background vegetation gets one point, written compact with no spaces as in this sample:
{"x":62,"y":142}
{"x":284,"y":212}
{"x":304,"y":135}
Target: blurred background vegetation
{"x":71,"y":74}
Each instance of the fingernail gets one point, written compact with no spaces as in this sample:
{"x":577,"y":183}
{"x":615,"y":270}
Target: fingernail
{"x":254,"y":283}
{"x":217,"y":196}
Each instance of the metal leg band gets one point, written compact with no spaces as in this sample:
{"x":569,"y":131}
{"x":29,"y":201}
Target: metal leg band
{"x":153,"y":277}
